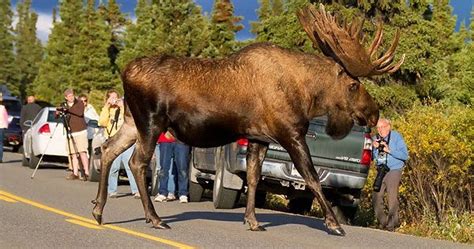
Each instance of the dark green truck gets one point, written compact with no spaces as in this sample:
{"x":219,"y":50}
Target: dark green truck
{"x":342,"y":166}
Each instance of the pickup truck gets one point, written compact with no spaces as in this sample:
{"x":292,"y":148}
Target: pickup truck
{"x":342,"y":166}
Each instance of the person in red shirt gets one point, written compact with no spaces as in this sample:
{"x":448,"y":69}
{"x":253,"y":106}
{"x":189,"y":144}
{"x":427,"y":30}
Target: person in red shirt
{"x":170,"y":148}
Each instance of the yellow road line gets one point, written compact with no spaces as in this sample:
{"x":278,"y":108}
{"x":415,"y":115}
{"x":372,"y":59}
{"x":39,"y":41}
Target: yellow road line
{"x":93,"y":222}
{"x":84,"y":224}
{"x":4,"y":198}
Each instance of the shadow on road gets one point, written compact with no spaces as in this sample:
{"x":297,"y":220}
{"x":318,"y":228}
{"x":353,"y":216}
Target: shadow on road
{"x":266,"y":220}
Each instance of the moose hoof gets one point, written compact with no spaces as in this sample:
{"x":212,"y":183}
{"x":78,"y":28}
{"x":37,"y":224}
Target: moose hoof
{"x":162,"y":225}
{"x":258,"y":229}
{"x":97,"y":217}
{"x":337,"y":231}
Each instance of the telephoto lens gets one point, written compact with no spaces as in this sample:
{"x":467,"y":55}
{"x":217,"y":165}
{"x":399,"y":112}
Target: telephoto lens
{"x":381,"y":172}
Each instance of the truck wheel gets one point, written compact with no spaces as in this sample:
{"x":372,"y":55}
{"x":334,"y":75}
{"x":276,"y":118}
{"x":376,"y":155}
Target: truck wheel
{"x":195,"y":192}
{"x":300,"y":205}
{"x":345,"y":215}
{"x":222,"y":198}
{"x":94,"y":167}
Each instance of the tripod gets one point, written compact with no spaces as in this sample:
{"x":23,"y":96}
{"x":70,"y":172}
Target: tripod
{"x":69,"y":138}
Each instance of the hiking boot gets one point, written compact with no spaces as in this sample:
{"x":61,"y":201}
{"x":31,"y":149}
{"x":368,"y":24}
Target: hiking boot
{"x":171,"y":197}
{"x":160,"y":198}
{"x":183,"y":199}
{"x":72,"y":177}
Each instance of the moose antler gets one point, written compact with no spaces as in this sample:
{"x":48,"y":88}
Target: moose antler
{"x":345,"y":44}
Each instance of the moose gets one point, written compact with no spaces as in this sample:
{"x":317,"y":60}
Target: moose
{"x":264,"y":93}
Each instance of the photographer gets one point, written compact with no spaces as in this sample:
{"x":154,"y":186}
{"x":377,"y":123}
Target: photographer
{"x":390,"y":153}
{"x":73,"y":113}
{"x":111,"y":117}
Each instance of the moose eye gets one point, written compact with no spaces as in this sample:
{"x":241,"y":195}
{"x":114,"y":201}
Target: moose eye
{"x":354,"y":86}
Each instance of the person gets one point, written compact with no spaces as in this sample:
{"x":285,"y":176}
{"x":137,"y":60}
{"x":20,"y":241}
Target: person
{"x":389,"y":150}
{"x":170,"y":148}
{"x":172,"y":176}
{"x":111,"y":117}
{"x":3,"y":125}
{"x":29,"y":112}
{"x":77,"y":134}
{"x":90,"y":115}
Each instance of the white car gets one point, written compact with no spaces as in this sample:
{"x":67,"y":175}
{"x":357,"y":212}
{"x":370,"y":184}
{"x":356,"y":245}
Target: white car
{"x":46,"y":136}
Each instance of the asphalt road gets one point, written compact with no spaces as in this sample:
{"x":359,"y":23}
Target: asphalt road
{"x":50,"y":212}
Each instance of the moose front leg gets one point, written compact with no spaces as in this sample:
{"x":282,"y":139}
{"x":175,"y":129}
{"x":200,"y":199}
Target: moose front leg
{"x":299,"y":153}
{"x":255,"y":156}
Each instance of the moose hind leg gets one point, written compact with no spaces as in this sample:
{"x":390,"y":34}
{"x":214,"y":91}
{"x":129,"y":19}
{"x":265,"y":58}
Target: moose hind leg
{"x":255,"y":156}
{"x":299,"y":153}
{"x":138,"y":164}
{"x":117,"y":144}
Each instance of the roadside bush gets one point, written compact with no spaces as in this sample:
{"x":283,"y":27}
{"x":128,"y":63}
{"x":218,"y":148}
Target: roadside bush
{"x":439,"y":172}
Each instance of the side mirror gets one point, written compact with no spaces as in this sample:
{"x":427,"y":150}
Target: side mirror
{"x":28,"y":123}
{"x":93,"y":123}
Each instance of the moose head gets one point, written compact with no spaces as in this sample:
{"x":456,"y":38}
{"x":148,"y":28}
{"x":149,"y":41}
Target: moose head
{"x":347,"y":99}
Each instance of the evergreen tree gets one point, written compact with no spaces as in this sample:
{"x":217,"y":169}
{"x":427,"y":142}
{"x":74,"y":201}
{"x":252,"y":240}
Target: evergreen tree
{"x":166,"y":26}
{"x":264,"y":12}
{"x":117,"y":22}
{"x":7,"y":71}
{"x":56,"y":70}
{"x":91,"y":63}
{"x":28,"y":48}
{"x":223,"y":27}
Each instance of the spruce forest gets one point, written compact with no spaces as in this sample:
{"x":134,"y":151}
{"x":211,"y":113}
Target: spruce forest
{"x":429,"y":99}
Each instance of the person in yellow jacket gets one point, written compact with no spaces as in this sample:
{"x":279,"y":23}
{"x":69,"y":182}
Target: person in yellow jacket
{"x":111,"y":118}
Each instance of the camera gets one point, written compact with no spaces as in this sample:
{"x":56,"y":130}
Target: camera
{"x":382,"y":170}
{"x":381,"y":146}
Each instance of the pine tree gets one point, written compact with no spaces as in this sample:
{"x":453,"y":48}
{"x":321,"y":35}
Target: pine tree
{"x":223,"y":27}
{"x":166,"y":26}
{"x":117,"y":23}
{"x":91,"y":63}
{"x":264,"y":12}
{"x":7,"y":70}
{"x":27,"y":46}
{"x":56,"y":71}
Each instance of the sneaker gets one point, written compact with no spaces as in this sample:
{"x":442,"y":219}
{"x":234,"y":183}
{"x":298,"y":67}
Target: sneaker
{"x":171,"y":197}
{"x":183,"y":199}
{"x":160,"y":198}
{"x":136,"y":195}
{"x":113,"y":195}
{"x":72,"y":177}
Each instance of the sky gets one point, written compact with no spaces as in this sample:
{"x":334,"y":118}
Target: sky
{"x":245,"y":8}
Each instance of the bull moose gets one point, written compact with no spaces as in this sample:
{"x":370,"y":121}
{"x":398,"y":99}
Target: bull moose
{"x":263,"y":92}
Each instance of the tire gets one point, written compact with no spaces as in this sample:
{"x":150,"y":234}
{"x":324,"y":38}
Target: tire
{"x":345,"y":215}
{"x":260,"y":199}
{"x":195,"y":191}
{"x":94,"y":167}
{"x":34,"y":160}
{"x":24,"y":161}
{"x":222,"y":198}
{"x":300,"y":205}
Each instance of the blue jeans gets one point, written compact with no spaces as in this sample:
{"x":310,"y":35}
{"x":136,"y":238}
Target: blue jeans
{"x":172,"y":174}
{"x":114,"y":170}
{"x":2,"y":134}
{"x":180,"y":153}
